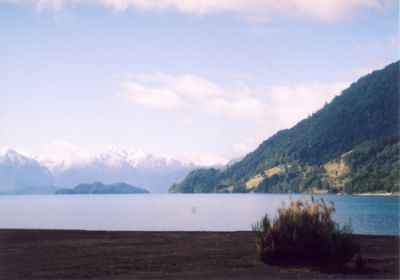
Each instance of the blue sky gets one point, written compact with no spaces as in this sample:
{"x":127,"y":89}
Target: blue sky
{"x":201,"y":80}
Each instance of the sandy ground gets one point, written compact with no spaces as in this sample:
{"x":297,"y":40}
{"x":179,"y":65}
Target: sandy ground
{"x":57,"y":254}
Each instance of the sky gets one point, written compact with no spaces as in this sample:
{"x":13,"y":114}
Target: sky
{"x":205,"y":81}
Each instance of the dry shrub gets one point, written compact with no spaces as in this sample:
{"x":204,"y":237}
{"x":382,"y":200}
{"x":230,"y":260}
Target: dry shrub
{"x":304,"y":233}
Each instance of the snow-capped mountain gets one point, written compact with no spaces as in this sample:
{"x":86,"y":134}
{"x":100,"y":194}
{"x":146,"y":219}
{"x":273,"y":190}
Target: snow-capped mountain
{"x":157,"y":174}
{"x":12,"y":156}
{"x":20,"y":174}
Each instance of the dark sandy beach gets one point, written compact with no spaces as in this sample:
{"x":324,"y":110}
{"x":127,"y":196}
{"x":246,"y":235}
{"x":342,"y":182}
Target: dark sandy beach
{"x":57,"y":254}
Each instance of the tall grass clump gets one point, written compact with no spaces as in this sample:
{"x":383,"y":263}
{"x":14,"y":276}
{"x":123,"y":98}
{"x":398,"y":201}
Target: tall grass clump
{"x":304,"y":233}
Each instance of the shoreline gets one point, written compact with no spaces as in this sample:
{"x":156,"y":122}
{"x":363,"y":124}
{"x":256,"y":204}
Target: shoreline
{"x":378,"y":194}
{"x":250,"y":193}
{"x":79,"y":254}
{"x":168,"y":231}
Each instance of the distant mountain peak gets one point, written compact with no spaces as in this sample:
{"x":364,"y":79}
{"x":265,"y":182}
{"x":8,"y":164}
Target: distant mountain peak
{"x":136,"y":167}
{"x":12,"y":156}
{"x":114,"y":158}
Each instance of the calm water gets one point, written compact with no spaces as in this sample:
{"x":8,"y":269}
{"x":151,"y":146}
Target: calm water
{"x":207,"y":212}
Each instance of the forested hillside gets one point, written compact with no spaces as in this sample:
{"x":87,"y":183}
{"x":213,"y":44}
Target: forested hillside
{"x":350,"y":145}
{"x":100,"y":188}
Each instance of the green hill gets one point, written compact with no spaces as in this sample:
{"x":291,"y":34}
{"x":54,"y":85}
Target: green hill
{"x":100,"y":188}
{"x":350,"y":145}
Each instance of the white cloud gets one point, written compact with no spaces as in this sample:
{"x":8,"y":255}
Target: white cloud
{"x":248,"y":144}
{"x":188,"y":95}
{"x":253,"y":113}
{"x":189,"y":84}
{"x":292,"y":103}
{"x":183,"y":94}
{"x":240,"y":106}
{"x":327,"y":10}
{"x":205,"y":159}
{"x":155,"y":97}
{"x":287,"y":105}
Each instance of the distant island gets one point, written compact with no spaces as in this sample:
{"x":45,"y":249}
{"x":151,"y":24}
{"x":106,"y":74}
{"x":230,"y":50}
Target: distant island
{"x":351,"y":145}
{"x":100,"y":188}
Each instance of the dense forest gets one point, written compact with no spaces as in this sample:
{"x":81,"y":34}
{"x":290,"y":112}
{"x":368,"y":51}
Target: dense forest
{"x":351,"y":145}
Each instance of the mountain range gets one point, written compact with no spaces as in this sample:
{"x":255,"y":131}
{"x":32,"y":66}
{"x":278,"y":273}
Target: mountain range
{"x":24,"y":175}
{"x":351,"y":145}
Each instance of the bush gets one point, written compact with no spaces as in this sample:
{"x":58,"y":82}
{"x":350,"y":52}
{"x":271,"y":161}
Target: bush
{"x":304,"y":233}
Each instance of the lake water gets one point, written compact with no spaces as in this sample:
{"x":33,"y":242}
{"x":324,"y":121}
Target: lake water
{"x":189,"y":212}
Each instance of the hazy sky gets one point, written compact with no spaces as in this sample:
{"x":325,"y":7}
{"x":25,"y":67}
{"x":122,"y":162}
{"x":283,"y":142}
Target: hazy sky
{"x":208,"y":79}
